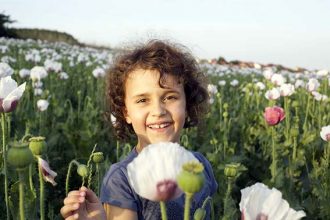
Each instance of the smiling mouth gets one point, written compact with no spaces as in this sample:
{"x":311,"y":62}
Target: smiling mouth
{"x":159,"y":126}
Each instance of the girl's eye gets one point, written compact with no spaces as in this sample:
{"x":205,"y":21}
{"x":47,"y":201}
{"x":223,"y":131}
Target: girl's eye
{"x":141,"y":100}
{"x":171,"y":98}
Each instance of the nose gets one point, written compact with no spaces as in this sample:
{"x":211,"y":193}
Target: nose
{"x":158,"y":109}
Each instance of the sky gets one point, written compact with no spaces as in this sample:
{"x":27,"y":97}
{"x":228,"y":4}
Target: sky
{"x":294,"y":33}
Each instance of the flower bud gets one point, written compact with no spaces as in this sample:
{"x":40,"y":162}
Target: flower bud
{"x":225,"y":105}
{"x":191,"y":178}
{"x":294,"y":132}
{"x":98,"y":157}
{"x":231,"y":170}
{"x":295,"y":104}
{"x":82,"y":170}
{"x":37,"y":145}
{"x":199,"y":214}
{"x":19,"y":155}
{"x":225,"y":114}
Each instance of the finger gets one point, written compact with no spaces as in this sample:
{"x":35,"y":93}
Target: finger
{"x":74,"y":193}
{"x":72,"y":217}
{"x":69,"y":210}
{"x":73,"y":199}
{"x":90,"y":195}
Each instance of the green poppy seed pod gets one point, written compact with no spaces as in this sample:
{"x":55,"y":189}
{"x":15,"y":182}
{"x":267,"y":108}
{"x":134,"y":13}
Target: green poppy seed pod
{"x":199,"y":214}
{"x":230,"y":170}
{"x":295,"y":104}
{"x":225,"y":114}
{"x":19,"y":155}
{"x":37,"y":145}
{"x":249,"y":85}
{"x":98,"y":157}
{"x":294,"y":132}
{"x":191,"y":178}
{"x":225,"y":105}
{"x":82,"y":170}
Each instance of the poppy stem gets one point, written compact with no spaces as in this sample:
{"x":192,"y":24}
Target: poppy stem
{"x":163,"y":210}
{"x":42,"y":193}
{"x":21,"y":194}
{"x":4,"y":156}
{"x":187,"y":206}
{"x":274,"y":158}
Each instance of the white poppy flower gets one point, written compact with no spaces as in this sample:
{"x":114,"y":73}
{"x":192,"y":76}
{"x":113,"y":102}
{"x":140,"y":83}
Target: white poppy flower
{"x":153,"y":173}
{"x":42,"y":105}
{"x":52,"y":65}
{"x":286,"y":89}
{"x":5,"y":70}
{"x":47,"y":173}
{"x":260,"y":85}
{"x":98,"y":72}
{"x":273,"y":94}
{"x":38,"y":73}
{"x":277,"y":79}
{"x":299,"y":83}
{"x":24,"y":73}
{"x":211,"y":100}
{"x":212,"y":89}
{"x":234,"y":82}
{"x":63,"y":75}
{"x":268,"y":73}
{"x":317,"y":96}
{"x":222,"y":83}
{"x":37,"y":91}
{"x":113,"y":119}
{"x":10,"y":94}
{"x":260,"y":202}
{"x":322,"y":72}
{"x":312,"y":85}
{"x":325,"y":133}
{"x":37,"y":84}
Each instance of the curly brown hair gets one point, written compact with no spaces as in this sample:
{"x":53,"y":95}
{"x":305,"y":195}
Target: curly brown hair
{"x":166,"y":58}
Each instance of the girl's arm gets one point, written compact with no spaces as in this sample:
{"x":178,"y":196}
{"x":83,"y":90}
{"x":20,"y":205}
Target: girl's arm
{"x":117,"y":213}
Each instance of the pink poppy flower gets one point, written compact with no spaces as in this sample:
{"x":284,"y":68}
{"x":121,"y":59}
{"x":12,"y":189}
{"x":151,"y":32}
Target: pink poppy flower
{"x":274,"y":115}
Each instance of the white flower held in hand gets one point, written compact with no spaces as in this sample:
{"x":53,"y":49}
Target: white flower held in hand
{"x":42,"y":105}
{"x":153,"y":173}
{"x":9,"y":94}
{"x":260,"y":202}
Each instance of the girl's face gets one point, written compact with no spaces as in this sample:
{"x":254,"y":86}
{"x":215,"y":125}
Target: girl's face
{"x":156,"y":114}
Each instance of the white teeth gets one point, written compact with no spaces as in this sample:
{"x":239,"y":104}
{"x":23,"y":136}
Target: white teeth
{"x":158,"y":126}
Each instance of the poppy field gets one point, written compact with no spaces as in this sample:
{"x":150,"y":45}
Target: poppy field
{"x":265,"y":125}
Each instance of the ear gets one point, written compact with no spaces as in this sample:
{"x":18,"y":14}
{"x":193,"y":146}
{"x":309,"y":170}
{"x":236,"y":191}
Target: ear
{"x":127,"y":117}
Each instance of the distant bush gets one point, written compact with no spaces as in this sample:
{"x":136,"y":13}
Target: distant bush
{"x":42,"y":34}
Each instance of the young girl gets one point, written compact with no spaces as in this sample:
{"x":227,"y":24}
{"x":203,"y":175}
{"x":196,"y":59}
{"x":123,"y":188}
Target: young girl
{"x":154,"y":92}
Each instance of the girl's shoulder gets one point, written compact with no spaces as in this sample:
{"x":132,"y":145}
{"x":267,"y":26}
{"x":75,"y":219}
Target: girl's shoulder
{"x":119,"y":169}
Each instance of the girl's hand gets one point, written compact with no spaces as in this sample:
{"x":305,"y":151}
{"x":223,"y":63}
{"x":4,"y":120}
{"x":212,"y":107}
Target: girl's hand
{"x":82,"y":204}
